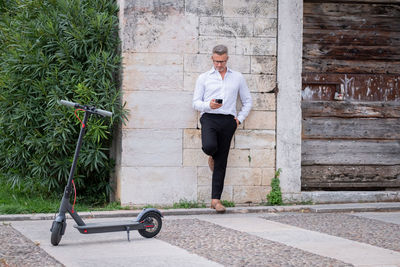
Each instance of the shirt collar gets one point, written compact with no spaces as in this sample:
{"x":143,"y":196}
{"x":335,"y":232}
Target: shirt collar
{"x":213,"y":70}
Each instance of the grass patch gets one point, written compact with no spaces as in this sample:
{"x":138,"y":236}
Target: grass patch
{"x":228,"y":204}
{"x":187,"y":204}
{"x":107,"y":206}
{"x":14,"y":201}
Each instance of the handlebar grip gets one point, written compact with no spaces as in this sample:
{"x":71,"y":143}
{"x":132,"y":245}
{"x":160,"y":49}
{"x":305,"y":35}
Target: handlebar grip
{"x":104,"y":113}
{"x":67,"y":103}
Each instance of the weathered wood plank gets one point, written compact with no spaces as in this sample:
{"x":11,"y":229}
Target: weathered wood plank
{"x":349,"y":185}
{"x":355,"y":37}
{"x":350,"y":176}
{"x":350,"y":66}
{"x":339,"y":8}
{"x":351,"y":128}
{"x":354,"y":1}
{"x":345,"y":152}
{"x":350,"y":52}
{"x":351,"y":23}
{"x":350,"y":109}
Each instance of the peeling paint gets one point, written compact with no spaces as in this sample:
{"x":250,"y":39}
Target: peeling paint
{"x":307,"y":93}
{"x":355,"y":87}
{"x":347,"y":84}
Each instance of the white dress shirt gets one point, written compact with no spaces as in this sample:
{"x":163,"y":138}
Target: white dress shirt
{"x":210,"y":85}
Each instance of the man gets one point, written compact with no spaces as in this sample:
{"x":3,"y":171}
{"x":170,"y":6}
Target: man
{"x":215,"y":97}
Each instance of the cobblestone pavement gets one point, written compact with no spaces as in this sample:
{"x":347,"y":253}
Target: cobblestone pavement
{"x":373,"y":232}
{"x":17,"y":250}
{"x":199,"y":236}
{"x":234,"y":248}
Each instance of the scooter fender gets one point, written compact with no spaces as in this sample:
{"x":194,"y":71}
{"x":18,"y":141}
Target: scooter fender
{"x":59,"y":219}
{"x":145,"y":211}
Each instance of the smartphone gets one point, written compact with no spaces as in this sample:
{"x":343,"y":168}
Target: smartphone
{"x":219,"y":101}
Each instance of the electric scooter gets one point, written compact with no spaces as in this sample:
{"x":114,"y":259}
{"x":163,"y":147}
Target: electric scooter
{"x":148,"y":222}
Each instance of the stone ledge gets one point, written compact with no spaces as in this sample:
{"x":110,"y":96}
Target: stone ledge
{"x":344,"y":207}
{"x":325,"y":197}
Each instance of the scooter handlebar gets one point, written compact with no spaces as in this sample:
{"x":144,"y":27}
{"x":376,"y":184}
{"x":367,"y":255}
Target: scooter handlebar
{"x":101,"y":112}
{"x":68,"y":104}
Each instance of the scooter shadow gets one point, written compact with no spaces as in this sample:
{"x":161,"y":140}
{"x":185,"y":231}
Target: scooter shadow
{"x":100,"y":242}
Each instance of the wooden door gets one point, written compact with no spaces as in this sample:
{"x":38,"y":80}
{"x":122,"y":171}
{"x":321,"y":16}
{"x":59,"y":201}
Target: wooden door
{"x":351,"y":95}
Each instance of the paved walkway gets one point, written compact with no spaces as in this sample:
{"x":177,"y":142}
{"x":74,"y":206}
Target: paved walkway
{"x":297,"y":238}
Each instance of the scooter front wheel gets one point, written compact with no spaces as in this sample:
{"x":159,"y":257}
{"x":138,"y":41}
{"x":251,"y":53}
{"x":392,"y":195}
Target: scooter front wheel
{"x":153,"y":223}
{"x":56,"y":233}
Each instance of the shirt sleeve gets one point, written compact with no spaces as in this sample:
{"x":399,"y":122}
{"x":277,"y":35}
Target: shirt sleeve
{"x":245,"y":97}
{"x":198,"y":102}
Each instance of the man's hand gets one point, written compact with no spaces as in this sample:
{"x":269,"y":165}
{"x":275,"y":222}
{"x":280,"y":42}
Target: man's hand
{"x":214,"y":105}
{"x":237,"y":122}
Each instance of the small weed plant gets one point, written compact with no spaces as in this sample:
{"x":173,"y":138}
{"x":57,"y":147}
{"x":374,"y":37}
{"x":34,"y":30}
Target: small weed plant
{"x":275,"y":196}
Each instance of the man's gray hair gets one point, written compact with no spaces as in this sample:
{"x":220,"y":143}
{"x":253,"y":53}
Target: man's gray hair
{"x":220,"y":50}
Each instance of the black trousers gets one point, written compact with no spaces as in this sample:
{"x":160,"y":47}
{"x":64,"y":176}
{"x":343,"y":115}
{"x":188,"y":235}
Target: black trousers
{"x":216,"y":134}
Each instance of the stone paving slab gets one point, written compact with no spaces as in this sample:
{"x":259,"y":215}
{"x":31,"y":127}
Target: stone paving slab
{"x":388,"y":217}
{"x":108,"y":249}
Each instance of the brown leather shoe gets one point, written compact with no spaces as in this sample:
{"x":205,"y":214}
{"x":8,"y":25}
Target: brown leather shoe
{"x":217,"y":205}
{"x":211,"y":163}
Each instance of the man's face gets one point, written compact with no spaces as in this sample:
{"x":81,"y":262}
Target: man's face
{"x":219,"y":61}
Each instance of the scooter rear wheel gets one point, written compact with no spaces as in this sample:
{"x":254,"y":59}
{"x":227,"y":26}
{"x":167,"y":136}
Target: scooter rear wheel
{"x":153,"y":219}
{"x":56,"y":233}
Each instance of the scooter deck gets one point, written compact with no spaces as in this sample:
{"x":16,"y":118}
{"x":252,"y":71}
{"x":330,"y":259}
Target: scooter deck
{"x":93,"y":228}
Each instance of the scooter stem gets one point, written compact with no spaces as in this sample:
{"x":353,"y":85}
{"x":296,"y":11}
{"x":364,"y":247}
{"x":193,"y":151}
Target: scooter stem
{"x":76,"y":155}
{"x":65,"y":205}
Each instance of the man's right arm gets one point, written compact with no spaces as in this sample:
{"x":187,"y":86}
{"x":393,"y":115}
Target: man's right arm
{"x":198,"y":96}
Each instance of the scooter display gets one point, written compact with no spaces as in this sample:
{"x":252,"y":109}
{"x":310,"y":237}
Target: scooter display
{"x":148,"y":222}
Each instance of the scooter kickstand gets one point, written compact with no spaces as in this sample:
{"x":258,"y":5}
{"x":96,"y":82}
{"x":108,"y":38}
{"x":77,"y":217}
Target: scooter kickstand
{"x":127,"y":232}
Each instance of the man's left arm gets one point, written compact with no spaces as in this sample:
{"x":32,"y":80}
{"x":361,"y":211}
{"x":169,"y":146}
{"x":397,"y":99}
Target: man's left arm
{"x":245,"y":97}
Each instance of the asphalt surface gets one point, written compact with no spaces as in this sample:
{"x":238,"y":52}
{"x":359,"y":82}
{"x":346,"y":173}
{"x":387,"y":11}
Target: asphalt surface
{"x":318,"y":235}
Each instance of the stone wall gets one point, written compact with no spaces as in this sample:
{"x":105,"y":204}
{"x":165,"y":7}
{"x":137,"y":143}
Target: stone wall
{"x":165,"y":46}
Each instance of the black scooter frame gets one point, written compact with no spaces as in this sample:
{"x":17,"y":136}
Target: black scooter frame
{"x":148,"y":220}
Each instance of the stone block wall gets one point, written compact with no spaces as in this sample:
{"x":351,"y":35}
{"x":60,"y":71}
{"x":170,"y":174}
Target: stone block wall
{"x":165,"y":46}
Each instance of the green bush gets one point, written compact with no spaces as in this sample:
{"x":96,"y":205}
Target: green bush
{"x":275,"y":196}
{"x":52,"y":50}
